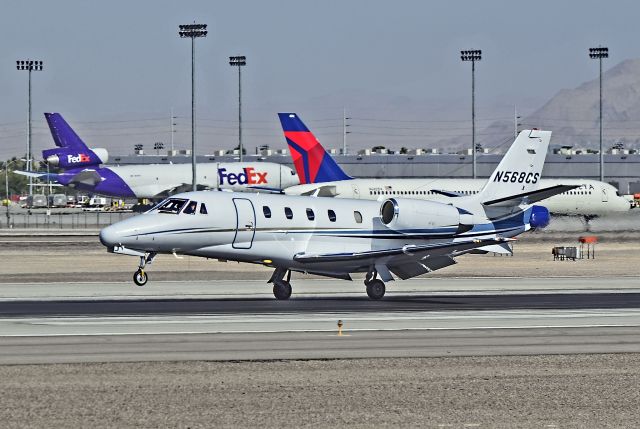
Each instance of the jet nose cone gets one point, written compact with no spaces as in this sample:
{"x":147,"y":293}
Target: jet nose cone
{"x":109,"y":236}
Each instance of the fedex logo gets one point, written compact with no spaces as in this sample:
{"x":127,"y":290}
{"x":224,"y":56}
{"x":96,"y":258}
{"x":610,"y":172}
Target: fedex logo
{"x":249,"y":177}
{"x":81,"y":157}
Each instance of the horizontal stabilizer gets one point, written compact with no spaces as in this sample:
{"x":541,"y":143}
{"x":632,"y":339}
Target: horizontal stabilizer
{"x":86,"y":177}
{"x":531,"y":196}
{"x":446,"y":193}
{"x":36,"y":174}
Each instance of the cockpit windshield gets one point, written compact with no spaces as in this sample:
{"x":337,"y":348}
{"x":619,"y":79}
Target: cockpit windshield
{"x":172,"y":206}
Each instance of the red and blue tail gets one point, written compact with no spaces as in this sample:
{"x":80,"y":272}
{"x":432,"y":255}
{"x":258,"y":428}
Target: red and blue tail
{"x":312,"y":162}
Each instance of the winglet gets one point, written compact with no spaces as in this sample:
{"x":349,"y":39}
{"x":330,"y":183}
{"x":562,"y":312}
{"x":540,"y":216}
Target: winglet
{"x":312,"y":162}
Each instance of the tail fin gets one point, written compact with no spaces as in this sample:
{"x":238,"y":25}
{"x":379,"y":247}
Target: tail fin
{"x":520,"y":169}
{"x":63,"y":135}
{"x":312,"y":162}
{"x":72,"y":152}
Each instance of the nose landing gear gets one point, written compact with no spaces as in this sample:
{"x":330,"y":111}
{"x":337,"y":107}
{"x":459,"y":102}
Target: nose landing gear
{"x":140,"y":277}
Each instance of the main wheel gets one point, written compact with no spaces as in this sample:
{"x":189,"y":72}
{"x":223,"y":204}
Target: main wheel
{"x":281,"y":289}
{"x":376,"y":289}
{"x":140,"y":278}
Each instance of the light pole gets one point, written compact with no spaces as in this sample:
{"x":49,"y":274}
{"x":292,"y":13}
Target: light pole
{"x":598,"y":54}
{"x":158,"y":146}
{"x":239,"y":62}
{"x":193,"y":31}
{"x":29,"y":65}
{"x":6,"y":185}
{"x":473,"y":56}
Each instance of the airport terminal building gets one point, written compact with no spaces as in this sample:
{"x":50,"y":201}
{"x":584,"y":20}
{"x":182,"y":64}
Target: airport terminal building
{"x":622,"y":170}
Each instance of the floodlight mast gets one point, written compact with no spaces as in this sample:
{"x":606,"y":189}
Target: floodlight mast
{"x":239,"y":61}
{"x":598,"y":54}
{"x":193,"y":31}
{"x":29,"y":66}
{"x":473,"y":56}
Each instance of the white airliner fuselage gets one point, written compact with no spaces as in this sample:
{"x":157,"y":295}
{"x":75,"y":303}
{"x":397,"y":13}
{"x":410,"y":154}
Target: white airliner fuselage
{"x":593,"y":198}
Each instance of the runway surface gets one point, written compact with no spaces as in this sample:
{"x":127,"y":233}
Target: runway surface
{"x":241,"y":324}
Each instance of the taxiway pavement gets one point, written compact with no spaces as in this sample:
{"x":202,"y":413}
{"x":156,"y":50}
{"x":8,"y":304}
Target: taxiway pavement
{"x":233,"y":321}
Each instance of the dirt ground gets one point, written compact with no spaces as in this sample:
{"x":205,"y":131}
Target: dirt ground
{"x":586,"y":391}
{"x":84,"y":259}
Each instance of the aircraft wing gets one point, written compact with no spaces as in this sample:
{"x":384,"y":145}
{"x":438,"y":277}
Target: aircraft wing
{"x":405,"y":262}
{"x":321,"y":191}
{"x":531,"y":197}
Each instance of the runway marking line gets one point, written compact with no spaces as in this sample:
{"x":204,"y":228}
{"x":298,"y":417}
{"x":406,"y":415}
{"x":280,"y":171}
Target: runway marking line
{"x":473,"y":328}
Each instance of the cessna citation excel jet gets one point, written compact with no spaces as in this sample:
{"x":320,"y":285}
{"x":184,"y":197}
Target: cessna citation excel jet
{"x":82,"y":170}
{"x":321,"y":176}
{"x":336,"y":237}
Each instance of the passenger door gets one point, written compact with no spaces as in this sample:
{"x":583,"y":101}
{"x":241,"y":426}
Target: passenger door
{"x":605,"y":197}
{"x":245,"y":223}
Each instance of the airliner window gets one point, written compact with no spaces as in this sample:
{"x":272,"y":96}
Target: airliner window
{"x":310,"y":214}
{"x":288,"y":213}
{"x":266,"y":211}
{"x":358,"y":216}
{"x":191,"y":208}
{"x":332,"y":215}
{"x":203,"y":209}
{"x":172,"y":206}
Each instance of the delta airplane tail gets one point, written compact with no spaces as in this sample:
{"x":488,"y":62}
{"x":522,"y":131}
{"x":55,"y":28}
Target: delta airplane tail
{"x":312,"y":162}
{"x":72,"y":152}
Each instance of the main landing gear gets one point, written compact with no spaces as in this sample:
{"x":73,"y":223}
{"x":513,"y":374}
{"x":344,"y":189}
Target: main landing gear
{"x":140,"y":277}
{"x":281,"y":287}
{"x":375,"y":286}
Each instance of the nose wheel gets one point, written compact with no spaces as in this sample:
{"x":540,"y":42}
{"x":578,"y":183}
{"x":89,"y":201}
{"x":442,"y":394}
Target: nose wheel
{"x":140,"y":277}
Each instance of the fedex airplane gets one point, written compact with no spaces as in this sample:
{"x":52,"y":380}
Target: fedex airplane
{"x":397,"y":236}
{"x":321,"y":176}
{"x":82,"y":169}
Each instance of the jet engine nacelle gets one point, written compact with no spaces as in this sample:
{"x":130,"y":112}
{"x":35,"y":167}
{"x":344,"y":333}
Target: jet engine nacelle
{"x":69,"y":158}
{"x":540,"y":217}
{"x":408,"y":214}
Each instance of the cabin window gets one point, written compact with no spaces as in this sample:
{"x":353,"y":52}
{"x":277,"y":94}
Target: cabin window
{"x":357,"y":216}
{"x":203,"y":209}
{"x":288,"y":213}
{"x":172,"y":206}
{"x":332,"y":215}
{"x":266,"y":211}
{"x":190,"y":208}
{"x":310,"y":214}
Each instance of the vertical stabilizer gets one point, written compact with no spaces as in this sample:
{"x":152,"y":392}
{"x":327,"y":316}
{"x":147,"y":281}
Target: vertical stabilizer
{"x":312,"y":162}
{"x":520,"y":170}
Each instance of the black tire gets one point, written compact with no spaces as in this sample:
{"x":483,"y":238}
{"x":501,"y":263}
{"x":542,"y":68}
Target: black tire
{"x":282,"y":290}
{"x":376,"y":289}
{"x":140,"y":278}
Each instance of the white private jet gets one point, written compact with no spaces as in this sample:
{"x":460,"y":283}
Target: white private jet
{"x":320,"y":176}
{"x":336,"y":237}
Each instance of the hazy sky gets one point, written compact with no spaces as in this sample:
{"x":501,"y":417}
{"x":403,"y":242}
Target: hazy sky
{"x":115,"y":68}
